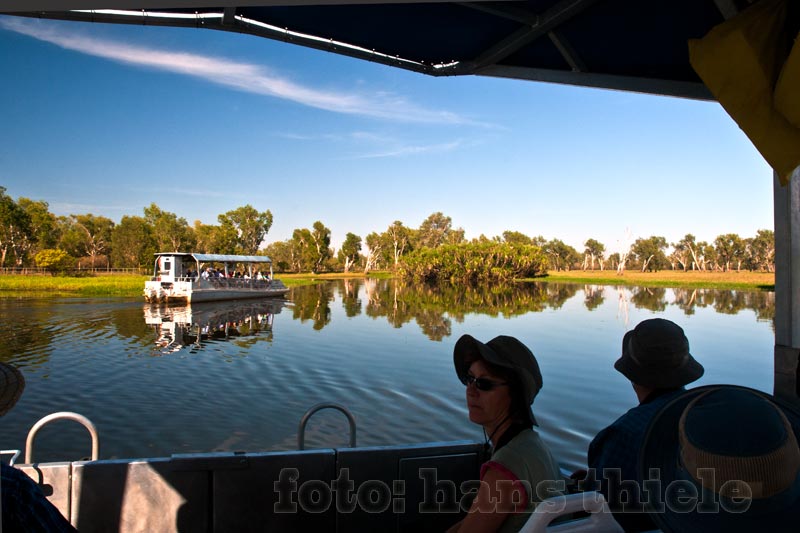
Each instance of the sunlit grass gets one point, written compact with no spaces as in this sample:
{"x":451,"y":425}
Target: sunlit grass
{"x":121,"y":285}
{"x":129,"y":285}
{"x":669,"y":278}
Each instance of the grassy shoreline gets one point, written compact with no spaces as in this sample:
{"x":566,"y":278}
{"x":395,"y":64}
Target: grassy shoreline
{"x":21,"y":286}
{"x":668,"y":278}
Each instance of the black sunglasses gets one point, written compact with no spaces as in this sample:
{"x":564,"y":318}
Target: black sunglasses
{"x":481,"y":383}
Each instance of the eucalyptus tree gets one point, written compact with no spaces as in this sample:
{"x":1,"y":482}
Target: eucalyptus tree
{"x":516,"y":237}
{"x":708,"y":256}
{"x":205,"y":236}
{"x":562,"y":256}
{"x":44,"y":228}
{"x":650,"y":252}
{"x":614,"y":260}
{"x":398,"y":237}
{"x":350,"y":252}
{"x":245,"y":228}
{"x":280,"y":253}
{"x":593,"y":251}
{"x":172,"y":234}
{"x":313,"y":246}
{"x":374,"y":250}
{"x":434,"y":230}
{"x":15,"y":229}
{"x":762,"y":250}
{"x":88,"y":236}
{"x":133,"y":243}
{"x":685,"y":252}
{"x":730,"y":249}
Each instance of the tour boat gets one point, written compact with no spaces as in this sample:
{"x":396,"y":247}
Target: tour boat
{"x":190,"y":277}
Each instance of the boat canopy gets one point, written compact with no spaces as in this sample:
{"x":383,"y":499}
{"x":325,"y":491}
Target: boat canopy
{"x":219,"y":258}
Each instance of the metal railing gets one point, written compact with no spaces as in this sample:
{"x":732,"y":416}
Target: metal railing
{"x":301,"y":431}
{"x":62,"y":415}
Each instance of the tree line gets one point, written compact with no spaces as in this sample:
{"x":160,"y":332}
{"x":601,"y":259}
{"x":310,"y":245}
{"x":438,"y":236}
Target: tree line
{"x":30,"y":235}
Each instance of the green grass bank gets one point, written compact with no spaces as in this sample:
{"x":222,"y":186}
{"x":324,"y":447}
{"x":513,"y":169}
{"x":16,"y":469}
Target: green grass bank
{"x":669,"y":278}
{"x":126,"y":285}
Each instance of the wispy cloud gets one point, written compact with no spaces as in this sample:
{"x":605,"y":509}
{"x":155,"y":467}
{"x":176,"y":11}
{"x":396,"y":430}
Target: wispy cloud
{"x":408,"y":150}
{"x":381,"y":145}
{"x":240,"y":76}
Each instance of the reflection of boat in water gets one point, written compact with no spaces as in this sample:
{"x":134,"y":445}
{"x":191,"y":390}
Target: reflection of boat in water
{"x":188,"y":277}
{"x":179,"y":326}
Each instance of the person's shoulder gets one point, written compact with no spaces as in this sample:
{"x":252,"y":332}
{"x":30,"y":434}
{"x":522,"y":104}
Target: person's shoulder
{"x":524,"y":448}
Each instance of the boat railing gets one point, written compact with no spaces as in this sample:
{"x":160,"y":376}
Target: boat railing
{"x":301,"y":431}
{"x":239,"y":283}
{"x":62,"y":415}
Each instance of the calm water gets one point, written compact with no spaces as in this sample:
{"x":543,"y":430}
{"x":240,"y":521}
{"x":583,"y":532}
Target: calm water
{"x":225,"y":377}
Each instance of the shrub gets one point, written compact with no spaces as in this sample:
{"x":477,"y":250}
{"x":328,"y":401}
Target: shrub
{"x":474,"y":263}
{"x":54,"y":260}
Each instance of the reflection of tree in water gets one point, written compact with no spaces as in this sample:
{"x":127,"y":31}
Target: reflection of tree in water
{"x":350,"y":300}
{"x":594,"y":297}
{"x":728,"y":302}
{"x":313,"y":303}
{"x":763,"y":303}
{"x":687,"y":300}
{"x":559,"y":293}
{"x":434,"y":325}
{"x":434,"y":307}
{"x":26,"y":339}
{"x":652,"y":298}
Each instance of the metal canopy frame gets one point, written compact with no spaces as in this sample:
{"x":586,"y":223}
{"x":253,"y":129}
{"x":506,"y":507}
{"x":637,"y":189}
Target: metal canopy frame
{"x":559,"y":41}
{"x":630,"y":45}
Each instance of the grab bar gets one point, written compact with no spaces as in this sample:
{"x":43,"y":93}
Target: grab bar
{"x":63,"y":415}
{"x":14,"y":455}
{"x":301,"y":432}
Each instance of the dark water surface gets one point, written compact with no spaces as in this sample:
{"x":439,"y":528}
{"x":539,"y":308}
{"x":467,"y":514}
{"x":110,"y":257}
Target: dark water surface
{"x":381,"y":349}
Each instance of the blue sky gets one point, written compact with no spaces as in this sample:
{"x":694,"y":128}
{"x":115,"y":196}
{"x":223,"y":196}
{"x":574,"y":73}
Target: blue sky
{"x":106,"y":119}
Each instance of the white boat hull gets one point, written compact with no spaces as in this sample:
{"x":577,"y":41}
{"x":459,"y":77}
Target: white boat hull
{"x":202,"y":290}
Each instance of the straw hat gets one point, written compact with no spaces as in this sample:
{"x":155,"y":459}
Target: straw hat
{"x":656,"y":354}
{"x":733,"y":448}
{"x":502,"y":351}
{"x":11,"y":385}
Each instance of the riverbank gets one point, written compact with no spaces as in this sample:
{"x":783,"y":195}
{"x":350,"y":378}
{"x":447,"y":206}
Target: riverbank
{"x":126,"y":285}
{"x":668,"y":278}
{"x":20,"y":286}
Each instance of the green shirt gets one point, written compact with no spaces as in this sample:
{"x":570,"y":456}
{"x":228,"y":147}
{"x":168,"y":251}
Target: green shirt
{"x":527,"y":461}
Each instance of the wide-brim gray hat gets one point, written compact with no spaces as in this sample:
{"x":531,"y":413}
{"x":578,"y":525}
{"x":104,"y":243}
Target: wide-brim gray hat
{"x":736,"y":450}
{"x":11,"y":385}
{"x":656,"y":354}
{"x":504,"y":351}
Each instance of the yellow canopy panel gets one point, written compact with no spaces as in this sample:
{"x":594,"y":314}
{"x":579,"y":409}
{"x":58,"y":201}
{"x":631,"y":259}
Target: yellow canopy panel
{"x":751,"y":64}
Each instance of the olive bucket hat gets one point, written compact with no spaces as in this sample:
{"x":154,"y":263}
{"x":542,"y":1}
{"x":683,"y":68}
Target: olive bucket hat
{"x":724,"y":458}
{"x":656,"y":354}
{"x":502,"y":351}
{"x":11,"y":385}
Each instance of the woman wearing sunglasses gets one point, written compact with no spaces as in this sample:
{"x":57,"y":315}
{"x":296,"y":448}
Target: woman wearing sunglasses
{"x":502,"y":378}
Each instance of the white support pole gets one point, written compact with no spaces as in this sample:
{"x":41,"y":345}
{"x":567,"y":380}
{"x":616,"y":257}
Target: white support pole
{"x":787,"y":287}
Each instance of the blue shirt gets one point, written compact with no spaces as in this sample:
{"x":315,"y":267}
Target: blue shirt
{"x":25,"y":509}
{"x":614,"y":460}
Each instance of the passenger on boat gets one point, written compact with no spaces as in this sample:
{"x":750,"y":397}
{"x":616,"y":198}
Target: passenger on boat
{"x":502,"y":379}
{"x":24,"y":507}
{"x":656,"y":360}
{"x":727,"y":459}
